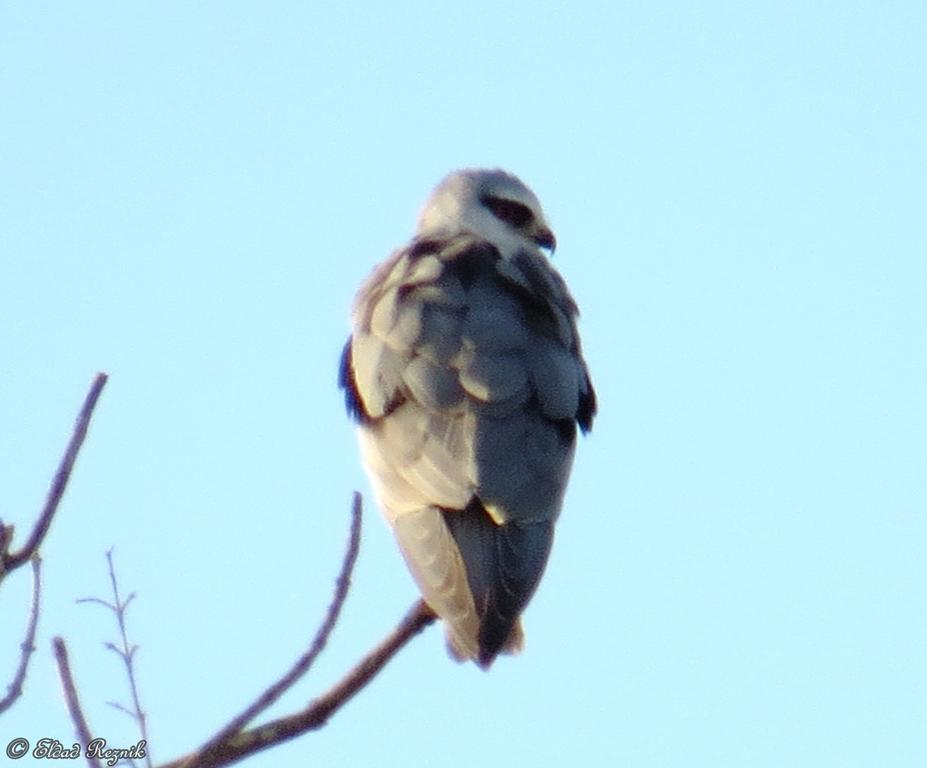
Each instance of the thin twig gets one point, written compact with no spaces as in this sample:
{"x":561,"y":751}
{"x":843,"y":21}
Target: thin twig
{"x":126,"y":653}
{"x":321,"y":709}
{"x":12,"y":561}
{"x":15,"y":688}
{"x":70,"y":695}
{"x":302,"y":665}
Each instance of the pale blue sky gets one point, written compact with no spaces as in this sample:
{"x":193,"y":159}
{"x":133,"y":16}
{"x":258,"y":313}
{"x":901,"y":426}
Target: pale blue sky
{"x":189,"y":196}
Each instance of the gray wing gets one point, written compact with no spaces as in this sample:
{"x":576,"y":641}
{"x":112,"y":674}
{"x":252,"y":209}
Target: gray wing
{"x":466,"y":375}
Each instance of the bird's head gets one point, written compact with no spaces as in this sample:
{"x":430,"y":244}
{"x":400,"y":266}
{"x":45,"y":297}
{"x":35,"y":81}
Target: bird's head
{"x":489,"y":204}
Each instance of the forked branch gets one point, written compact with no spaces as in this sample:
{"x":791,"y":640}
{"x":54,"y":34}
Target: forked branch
{"x":318,"y":712}
{"x":29,"y":552}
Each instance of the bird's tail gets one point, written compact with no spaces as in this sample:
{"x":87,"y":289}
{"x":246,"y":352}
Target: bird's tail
{"x":504,"y":565}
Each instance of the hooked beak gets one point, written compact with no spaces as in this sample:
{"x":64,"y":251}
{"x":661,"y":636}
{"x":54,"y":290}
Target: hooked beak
{"x":545,"y":238}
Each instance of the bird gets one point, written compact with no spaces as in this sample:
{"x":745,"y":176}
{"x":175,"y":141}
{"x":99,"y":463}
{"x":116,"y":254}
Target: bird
{"x":465,"y":375}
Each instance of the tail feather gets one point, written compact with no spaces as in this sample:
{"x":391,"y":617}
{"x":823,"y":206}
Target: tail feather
{"x":437,"y":565}
{"x":521,"y":552}
{"x":504,"y":565}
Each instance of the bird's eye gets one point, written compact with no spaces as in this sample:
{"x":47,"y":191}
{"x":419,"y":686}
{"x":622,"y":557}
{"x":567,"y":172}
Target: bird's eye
{"x":509,"y":211}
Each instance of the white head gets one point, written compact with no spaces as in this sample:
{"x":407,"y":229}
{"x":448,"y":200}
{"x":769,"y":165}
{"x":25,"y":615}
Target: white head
{"x":490,"y":204}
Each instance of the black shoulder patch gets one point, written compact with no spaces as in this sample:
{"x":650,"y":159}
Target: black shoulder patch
{"x":423,"y":246}
{"x":467,"y":264}
{"x":352,"y":400}
{"x":587,"y":408}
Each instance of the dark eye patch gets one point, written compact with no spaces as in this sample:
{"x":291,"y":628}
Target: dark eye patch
{"x":514,"y":213}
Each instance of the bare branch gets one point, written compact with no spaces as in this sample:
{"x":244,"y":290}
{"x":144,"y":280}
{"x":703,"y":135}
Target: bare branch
{"x":70,"y":695}
{"x":302,"y":665}
{"x":97,"y":601}
{"x":126,"y":652}
{"x":11,"y":561}
{"x":124,"y":709}
{"x":321,"y":709}
{"x":6,"y":536}
{"x":15,"y":688}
